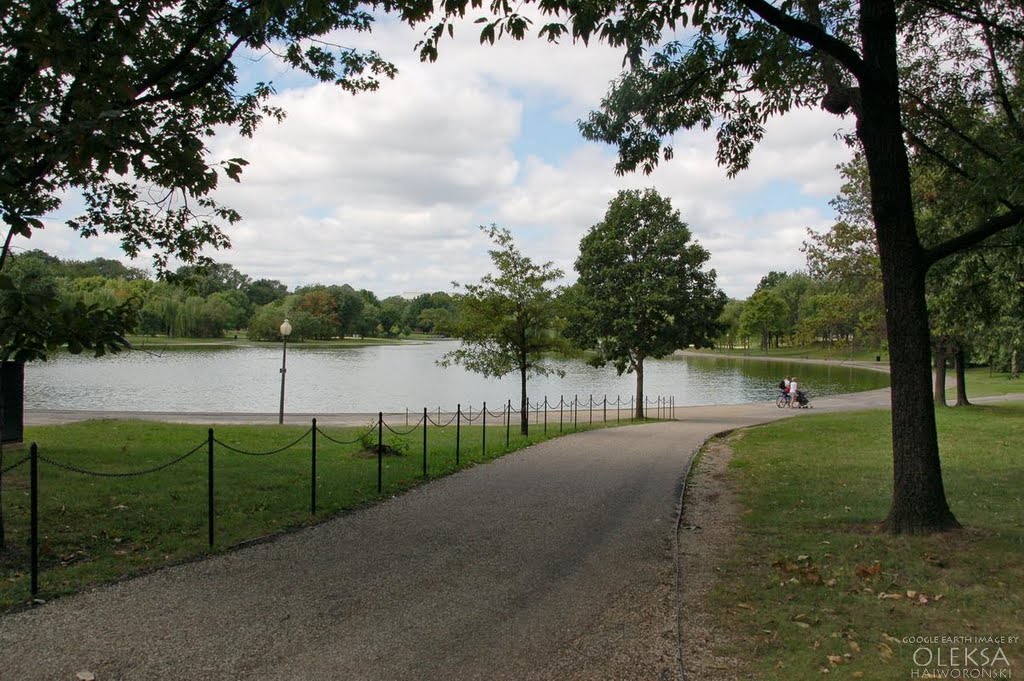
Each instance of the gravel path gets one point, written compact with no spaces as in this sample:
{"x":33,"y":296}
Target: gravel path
{"x":555,"y":562}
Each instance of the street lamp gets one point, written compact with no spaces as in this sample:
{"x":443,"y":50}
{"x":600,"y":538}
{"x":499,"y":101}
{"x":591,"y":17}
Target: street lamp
{"x":286,"y":330}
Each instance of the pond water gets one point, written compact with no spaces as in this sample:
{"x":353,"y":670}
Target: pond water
{"x":389,"y":378}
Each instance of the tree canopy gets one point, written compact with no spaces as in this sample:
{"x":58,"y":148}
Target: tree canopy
{"x":642,"y":291}
{"x":917,"y":78}
{"x":509,"y":320}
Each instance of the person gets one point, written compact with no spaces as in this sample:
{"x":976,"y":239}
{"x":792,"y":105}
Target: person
{"x":794,"y":391}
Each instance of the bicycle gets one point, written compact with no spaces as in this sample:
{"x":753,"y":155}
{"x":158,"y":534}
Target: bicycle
{"x":783,"y":401}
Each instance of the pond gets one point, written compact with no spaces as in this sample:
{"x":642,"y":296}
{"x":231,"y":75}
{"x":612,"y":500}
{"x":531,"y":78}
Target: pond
{"x":389,"y":378}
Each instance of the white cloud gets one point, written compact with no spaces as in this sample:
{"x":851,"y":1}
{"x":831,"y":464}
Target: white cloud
{"x":385,"y":190}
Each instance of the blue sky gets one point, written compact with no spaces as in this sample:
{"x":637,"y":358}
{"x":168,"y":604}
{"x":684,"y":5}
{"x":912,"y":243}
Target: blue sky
{"x":385,"y":190}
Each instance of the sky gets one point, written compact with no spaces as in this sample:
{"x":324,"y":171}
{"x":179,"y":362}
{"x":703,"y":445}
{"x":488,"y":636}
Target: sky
{"x":386,"y":190}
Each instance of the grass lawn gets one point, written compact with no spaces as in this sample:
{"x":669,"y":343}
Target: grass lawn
{"x":982,"y":382}
{"x":817,"y":351}
{"x":814,"y":588}
{"x":236,"y":340}
{"x":100,"y":529}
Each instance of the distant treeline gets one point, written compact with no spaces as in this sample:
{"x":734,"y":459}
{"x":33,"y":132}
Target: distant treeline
{"x":209,"y":302}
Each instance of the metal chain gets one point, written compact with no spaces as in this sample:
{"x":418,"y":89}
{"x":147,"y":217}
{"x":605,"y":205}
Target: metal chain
{"x":14,"y":465}
{"x":369,"y":430}
{"x":98,"y":474}
{"x":441,"y":425}
{"x":405,"y":432}
{"x":275,"y":451}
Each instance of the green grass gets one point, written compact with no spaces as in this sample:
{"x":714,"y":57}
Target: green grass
{"x":817,"y":351}
{"x":99,"y":529}
{"x":157,"y":342}
{"x":814,"y":587}
{"x":983,"y":382}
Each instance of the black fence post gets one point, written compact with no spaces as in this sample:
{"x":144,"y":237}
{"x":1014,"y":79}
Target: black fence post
{"x":458,"y":431}
{"x":591,"y":409}
{"x":209,"y":484}
{"x":545,"y":414}
{"x":380,"y":452}
{"x":508,"y":422}
{"x":561,"y":411}
{"x":484,"y":447}
{"x":604,"y":411}
{"x":424,"y":442}
{"x":618,"y":407}
{"x":34,"y":513}
{"x":575,"y":410}
{"x":312,"y":493}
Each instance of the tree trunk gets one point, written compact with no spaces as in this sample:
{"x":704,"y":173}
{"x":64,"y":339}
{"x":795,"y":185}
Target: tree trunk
{"x":1014,"y":368}
{"x":961,"y":386}
{"x":918,"y":499}
{"x":524,"y":405}
{"x":639,"y":388}
{"x":940,"y":374}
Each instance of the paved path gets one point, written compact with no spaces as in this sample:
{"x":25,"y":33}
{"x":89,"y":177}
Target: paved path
{"x":554,"y":562}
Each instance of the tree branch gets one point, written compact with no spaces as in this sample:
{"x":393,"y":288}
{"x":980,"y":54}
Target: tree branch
{"x":1011,"y":218}
{"x":999,"y":83}
{"x":810,"y":34}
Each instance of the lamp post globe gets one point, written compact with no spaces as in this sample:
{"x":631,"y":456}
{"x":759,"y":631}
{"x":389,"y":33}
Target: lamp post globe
{"x":286,"y":330}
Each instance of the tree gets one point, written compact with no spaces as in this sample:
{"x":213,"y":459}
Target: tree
{"x":915,"y":75}
{"x":729,"y":321}
{"x":509,"y":320}
{"x":764,"y":315}
{"x":642,"y":287}
{"x":113,"y":102}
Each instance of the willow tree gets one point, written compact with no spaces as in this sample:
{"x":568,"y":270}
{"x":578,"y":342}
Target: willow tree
{"x":509,"y":320}
{"x":914,"y":77}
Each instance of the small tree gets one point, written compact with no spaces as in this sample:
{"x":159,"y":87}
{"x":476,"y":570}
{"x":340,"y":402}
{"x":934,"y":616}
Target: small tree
{"x":508,"y":321}
{"x":642,"y":291}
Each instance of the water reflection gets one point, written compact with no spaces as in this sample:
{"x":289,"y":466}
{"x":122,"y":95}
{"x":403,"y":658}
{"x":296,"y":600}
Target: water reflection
{"x":389,"y":378}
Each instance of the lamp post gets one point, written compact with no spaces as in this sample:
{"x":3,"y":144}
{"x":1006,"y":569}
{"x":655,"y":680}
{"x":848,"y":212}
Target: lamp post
{"x":286,"y":330}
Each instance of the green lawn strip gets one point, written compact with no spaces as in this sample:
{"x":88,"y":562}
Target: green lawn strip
{"x":157,"y":343}
{"x":817,"y":351}
{"x":815,"y":588}
{"x":982,"y":382}
{"x":100,"y":529}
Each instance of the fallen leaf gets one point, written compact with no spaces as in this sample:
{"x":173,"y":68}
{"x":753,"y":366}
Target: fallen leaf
{"x":802,"y":625}
{"x":858,"y":675}
{"x":911,"y":594}
{"x":745,"y":606}
{"x":890,"y":639}
{"x":866,"y":571}
{"x":854,"y":646}
{"x":885,"y":652}
{"x":835,"y":660}
{"x":890,"y":597}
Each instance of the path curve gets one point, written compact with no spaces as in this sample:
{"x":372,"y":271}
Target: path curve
{"x":554,"y":562}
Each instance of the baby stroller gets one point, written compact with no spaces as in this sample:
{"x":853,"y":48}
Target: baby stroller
{"x":801,"y":400}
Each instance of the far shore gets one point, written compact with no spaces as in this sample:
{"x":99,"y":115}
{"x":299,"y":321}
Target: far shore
{"x":882,"y":366}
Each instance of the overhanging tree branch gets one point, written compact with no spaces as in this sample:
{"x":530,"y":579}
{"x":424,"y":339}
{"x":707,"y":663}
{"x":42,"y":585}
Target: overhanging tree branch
{"x":810,"y":34}
{"x":991,"y":227}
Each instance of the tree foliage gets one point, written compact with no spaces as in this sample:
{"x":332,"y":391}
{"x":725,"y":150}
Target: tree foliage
{"x":642,"y":291}
{"x":509,"y":320}
{"x":914,"y":76}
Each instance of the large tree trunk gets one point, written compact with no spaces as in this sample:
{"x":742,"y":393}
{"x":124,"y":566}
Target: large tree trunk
{"x":1014,"y":368}
{"x":918,"y":499}
{"x":940,"y":374}
{"x":961,"y":386}
{"x":639,"y":388}
{"x":524,"y":405}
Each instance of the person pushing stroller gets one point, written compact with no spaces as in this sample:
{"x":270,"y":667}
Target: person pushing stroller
{"x":797,"y":397}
